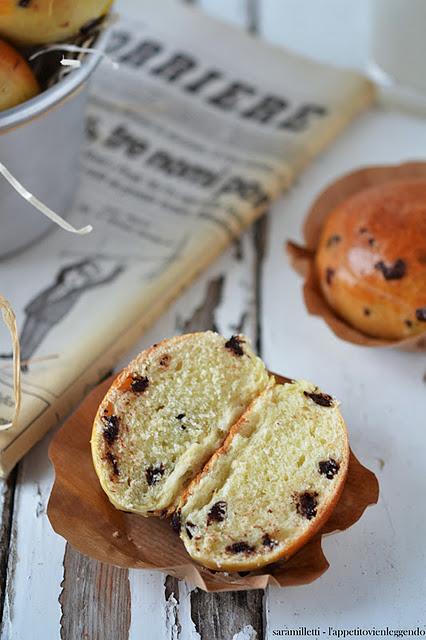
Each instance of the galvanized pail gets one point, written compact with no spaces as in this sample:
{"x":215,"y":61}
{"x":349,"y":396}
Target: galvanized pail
{"x":40,"y":144}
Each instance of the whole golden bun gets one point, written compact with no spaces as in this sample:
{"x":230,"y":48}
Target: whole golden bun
{"x":17,"y":81}
{"x":371,"y":259}
{"x":31,"y":22}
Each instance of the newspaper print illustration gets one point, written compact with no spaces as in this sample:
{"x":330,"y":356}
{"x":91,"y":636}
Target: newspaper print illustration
{"x":52,"y":304}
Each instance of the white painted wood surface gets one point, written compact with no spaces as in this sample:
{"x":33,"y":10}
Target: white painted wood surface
{"x":36,"y":555}
{"x":376,"y":576}
{"x":377,"y":567}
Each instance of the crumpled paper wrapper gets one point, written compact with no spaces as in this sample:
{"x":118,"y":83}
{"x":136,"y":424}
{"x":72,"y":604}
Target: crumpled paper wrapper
{"x":303,"y":258}
{"x":79,"y":511}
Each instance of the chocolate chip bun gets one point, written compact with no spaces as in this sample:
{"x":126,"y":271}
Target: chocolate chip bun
{"x":167,"y":413}
{"x":17,"y":81}
{"x":272,"y":484}
{"x":249,"y":469}
{"x":32,"y":22}
{"x":371,"y":259}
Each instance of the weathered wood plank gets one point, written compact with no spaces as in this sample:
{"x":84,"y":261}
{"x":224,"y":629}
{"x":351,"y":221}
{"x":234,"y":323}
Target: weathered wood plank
{"x":203,"y":315}
{"x":173,"y":624}
{"x":7,"y":493}
{"x":95,"y":599}
{"x":260,"y":238}
{"x":222,"y":616}
{"x":147,"y":605}
{"x":188,"y":629}
{"x":34,"y":568}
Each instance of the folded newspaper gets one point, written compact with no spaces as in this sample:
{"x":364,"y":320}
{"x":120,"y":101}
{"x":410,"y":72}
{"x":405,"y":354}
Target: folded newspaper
{"x":194,"y":135}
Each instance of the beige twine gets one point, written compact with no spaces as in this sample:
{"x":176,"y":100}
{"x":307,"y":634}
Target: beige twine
{"x":73,"y":48}
{"x":9,"y":320}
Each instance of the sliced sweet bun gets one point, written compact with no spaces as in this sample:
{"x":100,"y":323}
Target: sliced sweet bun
{"x":272,"y":484}
{"x":166,"y":414}
{"x":371,"y":259}
{"x":17,"y":81}
{"x":32,"y":22}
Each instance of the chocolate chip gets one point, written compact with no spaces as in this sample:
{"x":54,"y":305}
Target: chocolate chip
{"x":329,"y":275}
{"x":267,"y":541}
{"x":367,"y":311}
{"x":333,"y":240}
{"x":421,"y":314}
{"x":176,"y":521}
{"x":24,"y":3}
{"x":408,"y":323}
{"x":240,"y":547}
{"x":394,"y":271}
{"x":323,"y":399}
{"x":363,"y":230}
{"x":329,"y":468}
{"x":111,"y":428}
{"x":154,"y":474}
{"x":217,"y":513}
{"x":113,"y":462}
{"x":234,"y":344}
{"x":306,"y":504}
{"x":180,"y":417}
{"x":371,"y":242}
{"x":165,"y":360}
{"x":191,"y":529}
{"x":139,"y":384}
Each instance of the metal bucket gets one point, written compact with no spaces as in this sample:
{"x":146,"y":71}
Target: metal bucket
{"x":40,"y":143}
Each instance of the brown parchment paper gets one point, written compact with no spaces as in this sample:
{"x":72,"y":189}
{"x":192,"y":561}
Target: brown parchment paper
{"x":302,"y":258}
{"x":79,"y":511}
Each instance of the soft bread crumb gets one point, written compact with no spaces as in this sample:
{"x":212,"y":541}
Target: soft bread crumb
{"x":275,"y":479}
{"x":167,"y":413}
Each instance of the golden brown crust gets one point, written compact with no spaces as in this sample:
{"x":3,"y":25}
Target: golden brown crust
{"x":323,"y":514}
{"x":17,"y":81}
{"x":371,"y":259}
